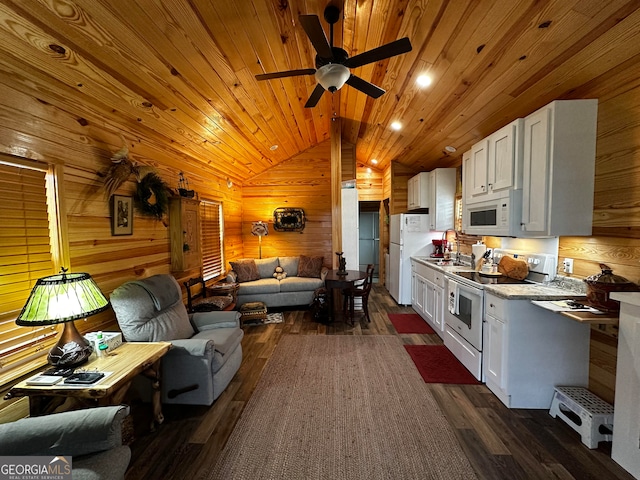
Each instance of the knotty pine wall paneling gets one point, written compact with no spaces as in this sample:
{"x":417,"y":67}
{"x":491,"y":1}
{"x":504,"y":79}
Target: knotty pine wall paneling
{"x":348,"y":161}
{"x":616,"y":217}
{"x":398,"y":189}
{"x":304,"y":181}
{"x":82,"y":139}
{"x":369,"y":182}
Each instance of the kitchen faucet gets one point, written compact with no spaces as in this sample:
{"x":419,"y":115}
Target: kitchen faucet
{"x":444,"y":237}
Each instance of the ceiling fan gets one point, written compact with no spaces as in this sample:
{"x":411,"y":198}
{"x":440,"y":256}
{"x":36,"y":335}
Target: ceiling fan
{"x":333,"y":63}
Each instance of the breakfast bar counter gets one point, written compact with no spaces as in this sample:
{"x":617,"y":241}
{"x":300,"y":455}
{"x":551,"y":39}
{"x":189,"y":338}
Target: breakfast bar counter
{"x":533,"y":291}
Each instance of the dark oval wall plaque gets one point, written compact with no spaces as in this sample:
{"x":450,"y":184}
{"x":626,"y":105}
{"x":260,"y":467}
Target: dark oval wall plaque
{"x":288,"y":219}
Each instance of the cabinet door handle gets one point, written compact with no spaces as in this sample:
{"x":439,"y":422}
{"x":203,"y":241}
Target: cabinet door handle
{"x":492,"y":305}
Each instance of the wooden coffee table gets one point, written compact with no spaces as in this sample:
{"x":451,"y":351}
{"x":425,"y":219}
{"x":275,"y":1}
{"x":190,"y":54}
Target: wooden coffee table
{"x":122,"y":364}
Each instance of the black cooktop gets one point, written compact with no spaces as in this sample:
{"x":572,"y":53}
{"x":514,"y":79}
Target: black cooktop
{"x":489,"y":279}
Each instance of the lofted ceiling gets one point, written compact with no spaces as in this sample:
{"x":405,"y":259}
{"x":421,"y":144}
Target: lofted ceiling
{"x":181,"y":73}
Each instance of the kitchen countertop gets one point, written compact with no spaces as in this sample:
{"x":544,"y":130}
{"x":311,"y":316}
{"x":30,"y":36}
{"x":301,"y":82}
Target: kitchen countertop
{"x":531,"y":291}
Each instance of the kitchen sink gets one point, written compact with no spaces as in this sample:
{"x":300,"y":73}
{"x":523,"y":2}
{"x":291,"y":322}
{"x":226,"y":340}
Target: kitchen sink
{"x":441,"y":263}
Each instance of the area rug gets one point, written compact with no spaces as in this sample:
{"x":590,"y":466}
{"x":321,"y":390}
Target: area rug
{"x":276,"y":317}
{"x":409,"y":323}
{"x":341,"y":407}
{"x":437,"y":364}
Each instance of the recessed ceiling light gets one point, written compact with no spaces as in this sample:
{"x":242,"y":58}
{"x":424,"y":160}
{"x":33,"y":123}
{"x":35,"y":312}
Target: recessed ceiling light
{"x":450,"y":149}
{"x":423,"y":80}
{"x":374,"y":161}
{"x":273,"y":147}
{"x":396,"y":125}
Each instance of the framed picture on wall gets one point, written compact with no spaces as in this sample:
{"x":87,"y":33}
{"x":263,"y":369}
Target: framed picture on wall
{"x":121,"y":215}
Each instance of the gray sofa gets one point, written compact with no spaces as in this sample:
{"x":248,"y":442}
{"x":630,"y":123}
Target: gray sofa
{"x":206,"y":349}
{"x":294,"y":290}
{"x":92,"y":436}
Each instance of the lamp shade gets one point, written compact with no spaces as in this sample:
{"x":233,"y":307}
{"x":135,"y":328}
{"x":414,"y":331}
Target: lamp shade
{"x":260,"y":229}
{"x":332,"y":76}
{"x":62,"y":298}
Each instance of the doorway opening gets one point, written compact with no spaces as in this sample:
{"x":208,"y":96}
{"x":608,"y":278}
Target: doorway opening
{"x":369,"y":236}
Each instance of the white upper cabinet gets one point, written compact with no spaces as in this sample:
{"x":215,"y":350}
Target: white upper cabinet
{"x":505,"y":157}
{"x":478,"y":170}
{"x":442,"y":194}
{"x":494,"y":164}
{"x":559,"y":169}
{"x":436,"y":191}
{"x":418,"y":191}
{"x":535,"y":176}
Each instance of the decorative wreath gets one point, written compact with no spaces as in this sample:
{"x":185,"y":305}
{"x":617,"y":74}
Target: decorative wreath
{"x":152,"y":196}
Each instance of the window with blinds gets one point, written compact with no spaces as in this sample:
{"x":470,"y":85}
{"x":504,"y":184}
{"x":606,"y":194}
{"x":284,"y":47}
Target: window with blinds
{"x":212,"y":235}
{"x":25,"y":255}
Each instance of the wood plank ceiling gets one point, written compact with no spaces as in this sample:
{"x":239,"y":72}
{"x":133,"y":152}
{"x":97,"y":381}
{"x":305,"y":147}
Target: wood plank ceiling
{"x":179,"y":74}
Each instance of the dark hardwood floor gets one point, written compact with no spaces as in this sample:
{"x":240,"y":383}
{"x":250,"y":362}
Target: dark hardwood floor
{"x":500,"y":443}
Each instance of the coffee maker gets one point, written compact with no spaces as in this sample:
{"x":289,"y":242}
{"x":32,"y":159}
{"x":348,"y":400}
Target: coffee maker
{"x":438,"y":248}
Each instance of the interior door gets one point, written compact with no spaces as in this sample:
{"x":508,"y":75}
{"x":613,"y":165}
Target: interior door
{"x":369,"y":240}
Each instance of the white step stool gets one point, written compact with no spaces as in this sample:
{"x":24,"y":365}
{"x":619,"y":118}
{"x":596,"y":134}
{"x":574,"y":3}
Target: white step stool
{"x":586,"y":413}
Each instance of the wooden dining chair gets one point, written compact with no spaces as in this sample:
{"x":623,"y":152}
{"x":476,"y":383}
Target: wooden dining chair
{"x":362,"y":291}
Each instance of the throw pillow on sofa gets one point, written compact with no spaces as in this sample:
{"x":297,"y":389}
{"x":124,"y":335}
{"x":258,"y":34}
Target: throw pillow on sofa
{"x":290,"y":265}
{"x":266,"y":266}
{"x":310,"y":266}
{"x":246,"y":270}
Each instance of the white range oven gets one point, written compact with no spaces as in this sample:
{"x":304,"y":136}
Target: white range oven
{"x":463,"y":323}
{"x":464,"y":314}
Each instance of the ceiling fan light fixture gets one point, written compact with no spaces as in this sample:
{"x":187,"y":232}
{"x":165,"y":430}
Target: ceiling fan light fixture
{"x":332,"y":76}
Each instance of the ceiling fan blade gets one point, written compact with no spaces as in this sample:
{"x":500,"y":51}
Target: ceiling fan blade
{"x":365,"y":87}
{"x":315,"y":96}
{"x":313,"y":28}
{"x":287,"y":73}
{"x":385,"y":51}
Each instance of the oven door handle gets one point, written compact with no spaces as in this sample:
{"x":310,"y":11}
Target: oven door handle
{"x":453,"y":290}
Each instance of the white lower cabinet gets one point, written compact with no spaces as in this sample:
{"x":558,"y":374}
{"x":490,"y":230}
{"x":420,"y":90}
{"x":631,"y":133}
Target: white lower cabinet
{"x":437,"y":320}
{"x":495,"y":356}
{"x":420,"y":294}
{"x":427,"y":295}
{"x":528,"y":350}
{"x":429,"y":301}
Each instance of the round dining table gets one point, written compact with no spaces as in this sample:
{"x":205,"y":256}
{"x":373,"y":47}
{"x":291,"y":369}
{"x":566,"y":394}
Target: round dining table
{"x":336,"y":281}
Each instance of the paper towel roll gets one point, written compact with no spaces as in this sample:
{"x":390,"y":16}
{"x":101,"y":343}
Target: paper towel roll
{"x":478,"y":250}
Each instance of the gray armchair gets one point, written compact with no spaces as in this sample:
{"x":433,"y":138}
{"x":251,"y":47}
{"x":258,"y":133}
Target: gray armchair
{"x":206,"y":347}
{"x":92,"y":437}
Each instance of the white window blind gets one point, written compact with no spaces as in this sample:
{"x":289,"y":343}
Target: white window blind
{"x":212,"y":235}
{"x":25,"y":256}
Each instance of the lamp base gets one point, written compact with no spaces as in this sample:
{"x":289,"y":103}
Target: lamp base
{"x":71,"y":350}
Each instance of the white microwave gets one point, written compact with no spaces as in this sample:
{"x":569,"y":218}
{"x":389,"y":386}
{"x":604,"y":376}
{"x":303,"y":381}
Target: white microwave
{"x":498,"y":217}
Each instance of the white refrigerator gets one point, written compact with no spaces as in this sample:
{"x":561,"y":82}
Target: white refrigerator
{"x":409,"y":236}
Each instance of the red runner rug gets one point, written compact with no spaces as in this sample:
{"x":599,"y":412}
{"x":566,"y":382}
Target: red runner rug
{"x":437,"y":364}
{"x":409,"y":323}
